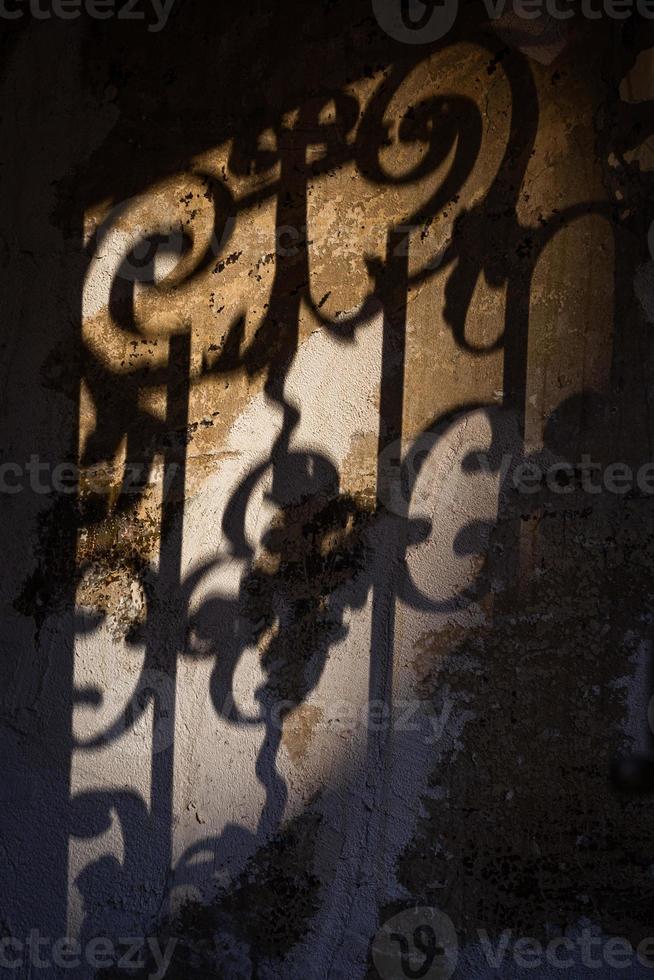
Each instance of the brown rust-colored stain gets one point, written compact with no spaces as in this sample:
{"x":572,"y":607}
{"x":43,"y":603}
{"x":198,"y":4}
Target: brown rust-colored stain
{"x":299,"y":729}
{"x":359,"y":470}
{"x":113,"y":560}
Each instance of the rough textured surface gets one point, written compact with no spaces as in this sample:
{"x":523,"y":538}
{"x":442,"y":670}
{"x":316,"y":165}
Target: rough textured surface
{"x":292,"y":659}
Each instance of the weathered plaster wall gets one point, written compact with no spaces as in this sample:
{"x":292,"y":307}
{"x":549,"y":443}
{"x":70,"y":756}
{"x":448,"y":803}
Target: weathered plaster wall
{"x":207,"y":705}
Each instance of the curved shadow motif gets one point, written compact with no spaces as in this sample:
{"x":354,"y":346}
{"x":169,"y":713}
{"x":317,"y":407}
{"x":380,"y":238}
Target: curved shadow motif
{"x":285,"y":606}
{"x":398,"y":479}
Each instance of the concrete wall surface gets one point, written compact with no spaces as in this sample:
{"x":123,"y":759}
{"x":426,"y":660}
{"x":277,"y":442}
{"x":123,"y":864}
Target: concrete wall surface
{"x":326,"y":477}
